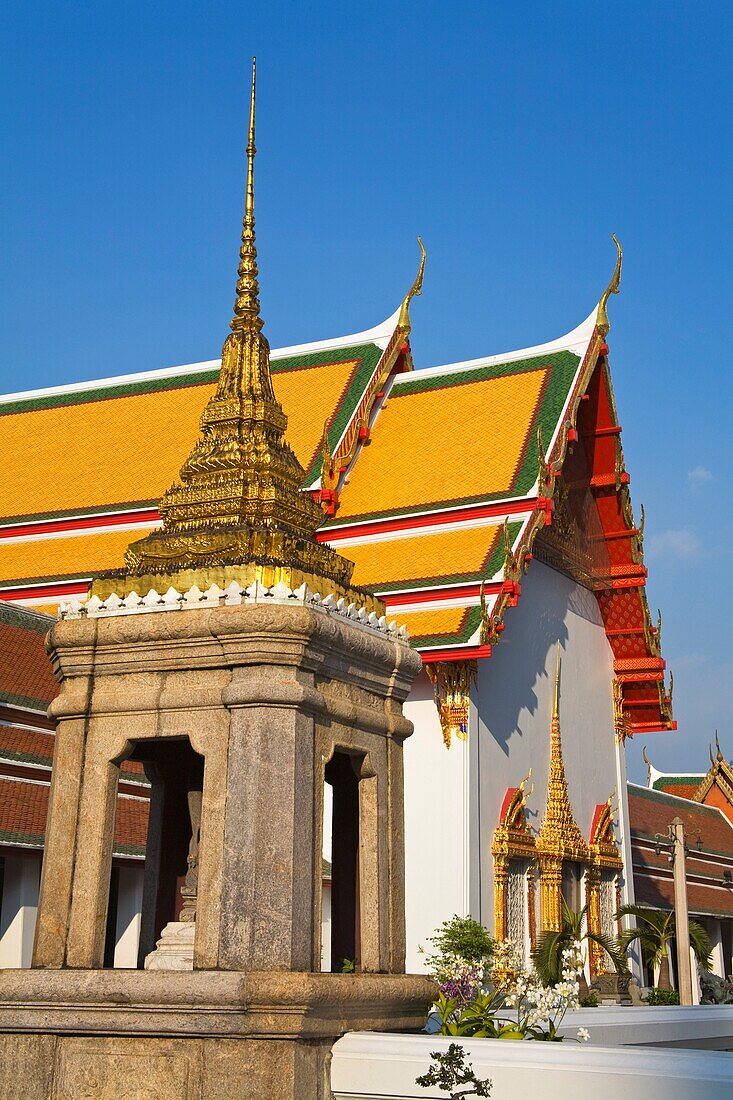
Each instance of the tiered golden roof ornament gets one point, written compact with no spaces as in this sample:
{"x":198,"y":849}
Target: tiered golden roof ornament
{"x":559,"y":834}
{"x":238,"y":512}
{"x":452,"y":682}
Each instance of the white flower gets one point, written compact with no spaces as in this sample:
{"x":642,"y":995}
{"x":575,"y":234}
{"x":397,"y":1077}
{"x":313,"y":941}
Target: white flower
{"x":583,"y":1034}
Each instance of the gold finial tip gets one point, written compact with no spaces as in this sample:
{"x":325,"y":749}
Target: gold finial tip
{"x":413,"y":292}
{"x":602,"y":323}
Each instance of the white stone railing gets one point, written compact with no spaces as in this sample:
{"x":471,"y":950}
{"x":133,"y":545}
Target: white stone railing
{"x":233,"y":595}
{"x":371,"y":1066}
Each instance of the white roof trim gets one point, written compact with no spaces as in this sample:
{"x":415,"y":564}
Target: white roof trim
{"x":576,"y":341}
{"x":379,"y":335}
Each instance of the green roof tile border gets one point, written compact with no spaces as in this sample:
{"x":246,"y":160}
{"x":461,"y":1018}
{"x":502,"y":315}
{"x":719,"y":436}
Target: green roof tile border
{"x":677,"y":781}
{"x":36,"y":840}
{"x":35,"y":621}
{"x":27,"y":701}
{"x":182,"y":381}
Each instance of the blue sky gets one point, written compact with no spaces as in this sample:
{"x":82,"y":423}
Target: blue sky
{"x":515,"y":138}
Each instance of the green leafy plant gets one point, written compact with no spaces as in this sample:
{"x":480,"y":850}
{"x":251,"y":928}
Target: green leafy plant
{"x":662,"y":997}
{"x":348,"y":966}
{"x":450,"y":1073}
{"x":462,"y":953}
{"x":655,"y":929}
{"x":465,"y":938}
{"x":589,"y":1001}
{"x":547,"y":956}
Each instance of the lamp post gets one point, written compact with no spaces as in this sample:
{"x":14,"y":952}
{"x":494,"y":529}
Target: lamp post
{"x":681,"y":917}
{"x":677,"y":852}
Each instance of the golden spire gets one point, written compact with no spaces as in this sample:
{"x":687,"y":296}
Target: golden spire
{"x":559,"y":834}
{"x":602,"y":323}
{"x":247,"y":305}
{"x":416,"y":289}
{"x":238,"y":512}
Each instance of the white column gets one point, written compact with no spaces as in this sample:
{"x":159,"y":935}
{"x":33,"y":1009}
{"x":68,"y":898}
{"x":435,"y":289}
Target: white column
{"x":627,"y":878}
{"x":326,"y":926}
{"x":129,"y":911}
{"x":696,"y":989}
{"x":716,"y":939}
{"x":19,"y":908}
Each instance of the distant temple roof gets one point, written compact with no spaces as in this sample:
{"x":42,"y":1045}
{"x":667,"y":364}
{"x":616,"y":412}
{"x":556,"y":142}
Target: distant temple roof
{"x":709,"y":891}
{"x":26,"y":677}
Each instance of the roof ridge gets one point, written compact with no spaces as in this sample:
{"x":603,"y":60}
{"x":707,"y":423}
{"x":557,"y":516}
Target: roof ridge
{"x":373,"y":336}
{"x":578,"y":336}
{"x":11,"y":613}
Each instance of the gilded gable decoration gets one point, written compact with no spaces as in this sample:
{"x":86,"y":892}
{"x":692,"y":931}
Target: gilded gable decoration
{"x":559,"y":837}
{"x":602,"y":880}
{"x":357,"y":433}
{"x":620,"y":721}
{"x":452,"y":682}
{"x":719,"y":774}
{"x":513,"y":840}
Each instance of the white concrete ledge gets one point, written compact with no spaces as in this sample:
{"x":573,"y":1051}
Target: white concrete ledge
{"x":371,"y":1066}
{"x":702,"y":1026}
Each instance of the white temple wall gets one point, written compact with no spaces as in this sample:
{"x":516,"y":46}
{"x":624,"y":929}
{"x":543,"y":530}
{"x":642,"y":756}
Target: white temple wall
{"x":437,"y":825}
{"x":514,"y":706}
{"x":18,"y":911}
{"x":129,"y":911}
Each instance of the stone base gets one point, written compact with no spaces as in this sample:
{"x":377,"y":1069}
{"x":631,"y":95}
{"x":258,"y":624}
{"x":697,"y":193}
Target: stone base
{"x":153,"y":1035}
{"x":612,"y":988}
{"x":174,"y":949}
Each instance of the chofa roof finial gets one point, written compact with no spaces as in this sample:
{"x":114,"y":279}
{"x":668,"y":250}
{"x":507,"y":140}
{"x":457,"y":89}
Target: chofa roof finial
{"x":602,"y":323}
{"x":413,"y":292}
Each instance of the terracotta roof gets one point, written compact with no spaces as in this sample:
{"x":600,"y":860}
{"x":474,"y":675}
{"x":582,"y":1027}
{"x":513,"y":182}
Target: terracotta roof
{"x":26,"y":679}
{"x":24,"y":806}
{"x":650,"y":813}
{"x":27,"y":746}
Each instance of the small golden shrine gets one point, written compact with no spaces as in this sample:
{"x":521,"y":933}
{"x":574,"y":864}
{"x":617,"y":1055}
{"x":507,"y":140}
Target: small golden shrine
{"x":559,"y":837}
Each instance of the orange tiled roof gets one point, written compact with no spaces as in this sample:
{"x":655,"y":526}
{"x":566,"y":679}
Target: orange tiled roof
{"x":24,"y":807}
{"x":428,"y":468}
{"x":441,"y":557}
{"x":464,"y":439}
{"x":122,"y":445}
{"x":26,"y":679}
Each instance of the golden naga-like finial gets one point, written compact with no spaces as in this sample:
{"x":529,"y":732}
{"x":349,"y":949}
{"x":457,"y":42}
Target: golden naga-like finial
{"x":415,"y":290}
{"x":719,"y":754}
{"x":523,"y":786}
{"x":649,"y":766}
{"x":602,"y":322}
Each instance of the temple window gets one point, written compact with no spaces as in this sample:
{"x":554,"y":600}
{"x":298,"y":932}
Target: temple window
{"x":513,"y":849}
